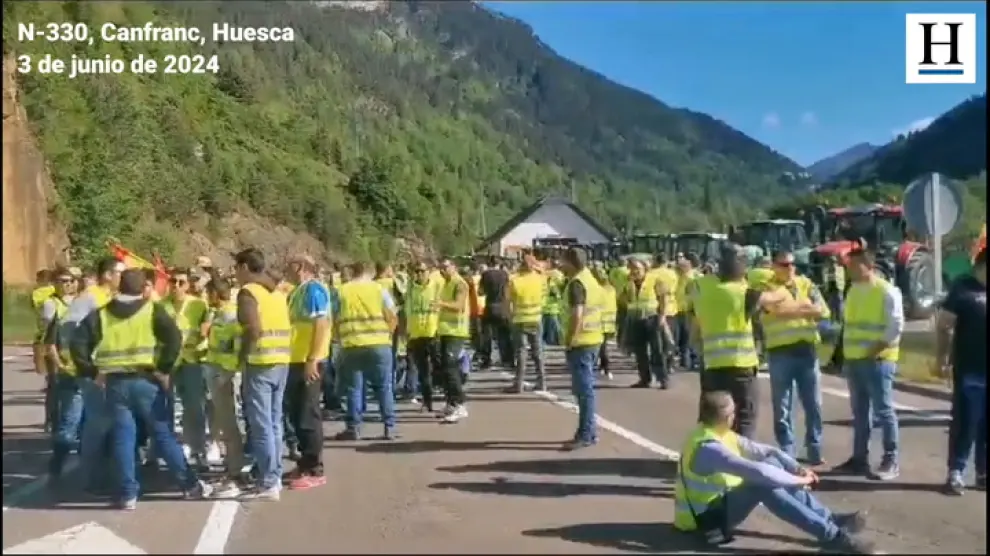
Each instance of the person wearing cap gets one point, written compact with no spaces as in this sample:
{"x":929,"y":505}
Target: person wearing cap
{"x":309,"y":314}
{"x":96,"y":419}
{"x":584,"y":303}
{"x":793,"y":359}
{"x":527,"y":295}
{"x":264,"y":356}
{"x":129,"y":348}
{"x":722,"y":307}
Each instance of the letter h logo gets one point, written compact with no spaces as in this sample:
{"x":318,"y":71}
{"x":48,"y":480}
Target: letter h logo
{"x":940,"y":49}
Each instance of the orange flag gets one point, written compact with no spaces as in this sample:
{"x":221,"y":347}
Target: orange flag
{"x":131,"y":260}
{"x":981,"y":242}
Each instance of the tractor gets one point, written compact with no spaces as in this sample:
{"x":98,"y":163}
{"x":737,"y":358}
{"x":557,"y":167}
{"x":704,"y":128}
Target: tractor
{"x":906,"y":263}
{"x":648,"y":246}
{"x":706,"y":245}
{"x":760,"y":238}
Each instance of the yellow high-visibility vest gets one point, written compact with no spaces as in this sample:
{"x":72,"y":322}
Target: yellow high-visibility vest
{"x":126,"y":345}
{"x":865,"y":321}
{"x":455,"y":323}
{"x":681,"y":294}
{"x":272,"y":346}
{"x":726,"y":329}
{"x":61,"y":309}
{"x":529,"y":291}
{"x":224,"y":339}
{"x":41,"y":294}
{"x":590,"y":333}
{"x":303,"y":327}
{"x":759,"y":278}
{"x":668,"y":277}
{"x":609,"y":309}
{"x":642,"y":301}
{"x":189,"y":317}
{"x":422,"y":320}
{"x":695,"y":493}
{"x":780,"y":332}
{"x":361,"y":322}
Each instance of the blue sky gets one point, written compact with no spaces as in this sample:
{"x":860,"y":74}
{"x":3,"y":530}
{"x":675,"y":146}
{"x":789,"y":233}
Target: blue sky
{"x":807,"y":78}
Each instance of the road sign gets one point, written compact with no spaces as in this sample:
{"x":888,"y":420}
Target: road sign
{"x":932,"y":205}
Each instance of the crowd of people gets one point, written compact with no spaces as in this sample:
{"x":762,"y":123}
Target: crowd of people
{"x":259,"y":357}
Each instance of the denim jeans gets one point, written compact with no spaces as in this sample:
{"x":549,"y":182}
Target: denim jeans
{"x":871,"y":395}
{"x":792,"y":368}
{"x":264,"y":390}
{"x":581,"y":364}
{"x":133,"y":397}
{"x":190,"y":387}
{"x":66,"y":427}
{"x":551,"y":330}
{"x":95,"y":432}
{"x":331,"y":386}
{"x":682,"y":326}
{"x":969,"y":423}
{"x":531,"y":335}
{"x":796,"y":506}
{"x":371,"y":364}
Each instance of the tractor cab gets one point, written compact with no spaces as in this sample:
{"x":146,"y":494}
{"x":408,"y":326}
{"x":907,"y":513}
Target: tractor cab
{"x":707,"y":245}
{"x":763,"y":237}
{"x":650,"y":245}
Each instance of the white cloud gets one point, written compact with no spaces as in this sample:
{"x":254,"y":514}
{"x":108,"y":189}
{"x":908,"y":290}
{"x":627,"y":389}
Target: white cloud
{"x":771,"y":120}
{"x":914,"y":126}
{"x":809,"y":119}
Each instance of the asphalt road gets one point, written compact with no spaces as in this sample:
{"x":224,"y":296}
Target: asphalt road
{"x":496,"y":483}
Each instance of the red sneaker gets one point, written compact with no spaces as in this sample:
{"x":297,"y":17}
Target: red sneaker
{"x":307,"y":481}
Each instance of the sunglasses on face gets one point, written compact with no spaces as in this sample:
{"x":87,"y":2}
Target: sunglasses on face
{"x":66,"y":280}
{"x":179,"y":281}
{"x":785,"y":264}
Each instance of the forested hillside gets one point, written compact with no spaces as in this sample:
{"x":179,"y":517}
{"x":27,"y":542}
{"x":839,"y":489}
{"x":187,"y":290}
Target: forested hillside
{"x":827,"y":168}
{"x":412,"y":120}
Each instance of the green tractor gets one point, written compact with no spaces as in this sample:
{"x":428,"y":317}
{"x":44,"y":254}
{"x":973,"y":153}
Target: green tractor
{"x":761,"y":238}
{"x":706,"y":245}
{"x":647,"y":246}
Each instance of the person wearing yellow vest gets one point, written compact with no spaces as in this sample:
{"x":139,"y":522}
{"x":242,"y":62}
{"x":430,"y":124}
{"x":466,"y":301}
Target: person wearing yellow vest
{"x":793,"y":360}
{"x":609,"y":311}
{"x":96,"y":421}
{"x":618,"y":276}
{"x":723,"y":476}
{"x":759,"y":278}
{"x":453,"y":332}
{"x":364,"y":321}
{"x":422,"y":324}
{"x":130,"y":347}
{"x":221,"y":357}
{"x":551,"y":307}
{"x":43,"y":290}
{"x":58,"y":292}
{"x":723,"y":306}
{"x":527,"y":295}
{"x":686,"y":275}
{"x":309,"y":313}
{"x":642,"y":299}
{"x":265,"y":351}
{"x":63,"y":397}
{"x":871,"y":337}
{"x":191,"y":315}
{"x":666,"y":285}
{"x":584,"y":302}
{"x":385,"y":277}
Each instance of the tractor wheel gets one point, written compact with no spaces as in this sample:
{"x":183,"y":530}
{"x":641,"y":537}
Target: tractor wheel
{"x":917,"y":283}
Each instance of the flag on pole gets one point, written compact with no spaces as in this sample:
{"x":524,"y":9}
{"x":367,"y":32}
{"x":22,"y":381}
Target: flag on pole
{"x":131,"y":260}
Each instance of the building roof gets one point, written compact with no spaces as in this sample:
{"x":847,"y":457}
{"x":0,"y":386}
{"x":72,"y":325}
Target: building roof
{"x":521,"y":217}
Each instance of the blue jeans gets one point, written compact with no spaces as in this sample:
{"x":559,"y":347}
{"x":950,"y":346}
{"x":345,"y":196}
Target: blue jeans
{"x":133,"y":398}
{"x":190,"y":387}
{"x":95,"y":432}
{"x":789,"y":369}
{"x":374,"y":365}
{"x":581,"y":364}
{"x":796,"y":506}
{"x":67,"y":424}
{"x":871,"y":395}
{"x":969,"y":423}
{"x":682,"y":326}
{"x":264,"y":390}
{"x":551,"y":330}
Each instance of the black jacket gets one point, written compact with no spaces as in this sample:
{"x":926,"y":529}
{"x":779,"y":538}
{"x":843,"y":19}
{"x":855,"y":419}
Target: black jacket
{"x":89,"y":333}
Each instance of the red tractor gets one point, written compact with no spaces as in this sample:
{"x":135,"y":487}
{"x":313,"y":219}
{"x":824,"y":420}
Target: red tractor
{"x":907,"y":263}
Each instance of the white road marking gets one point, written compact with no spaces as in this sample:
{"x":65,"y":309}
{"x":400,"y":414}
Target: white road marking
{"x":88,"y":538}
{"x":216,"y":531}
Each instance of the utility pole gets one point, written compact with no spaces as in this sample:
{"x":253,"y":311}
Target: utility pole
{"x":484,"y":221}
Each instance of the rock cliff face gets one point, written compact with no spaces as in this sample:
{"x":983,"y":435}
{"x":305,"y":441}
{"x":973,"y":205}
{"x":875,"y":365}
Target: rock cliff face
{"x":32,"y":239}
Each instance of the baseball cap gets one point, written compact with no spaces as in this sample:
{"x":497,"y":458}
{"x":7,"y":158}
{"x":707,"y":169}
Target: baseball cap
{"x":203,"y":261}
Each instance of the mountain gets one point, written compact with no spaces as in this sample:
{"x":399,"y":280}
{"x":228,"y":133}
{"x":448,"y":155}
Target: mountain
{"x":379,"y":120}
{"x":826,"y":168}
{"x":955,"y":144}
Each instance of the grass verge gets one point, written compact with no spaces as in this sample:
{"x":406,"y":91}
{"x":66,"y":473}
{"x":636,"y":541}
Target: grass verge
{"x":19,"y":320}
{"x":917,"y":358}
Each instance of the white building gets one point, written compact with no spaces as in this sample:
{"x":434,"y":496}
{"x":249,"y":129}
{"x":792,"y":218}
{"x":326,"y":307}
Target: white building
{"x":547,"y":218}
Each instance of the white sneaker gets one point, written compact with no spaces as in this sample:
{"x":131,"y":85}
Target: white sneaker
{"x":456,"y":414}
{"x":265,"y":495}
{"x":201,"y":491}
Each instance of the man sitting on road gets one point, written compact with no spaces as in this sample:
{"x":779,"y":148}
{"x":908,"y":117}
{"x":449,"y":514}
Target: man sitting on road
{"x":722,"y":477}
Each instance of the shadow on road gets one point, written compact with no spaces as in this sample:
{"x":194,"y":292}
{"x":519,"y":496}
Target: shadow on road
{"x":25,"y":459}
{"x":908,"y":418}
{"x":37,"y":399}
{"x":419,"y":446}
{"x":651,"y":538}
{"x":508,"y":487}
{"x":615,"y":467}
{"x":835,"y":483}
